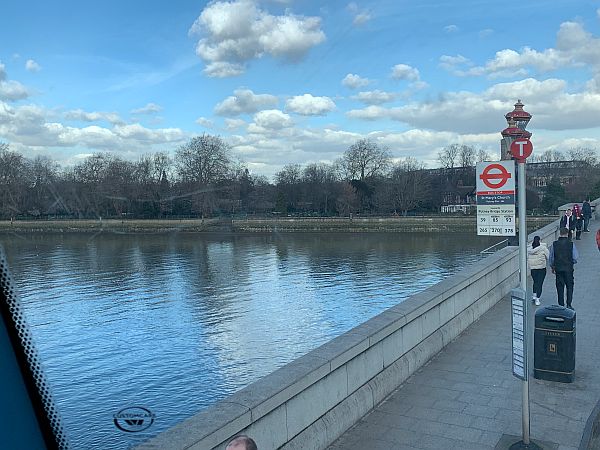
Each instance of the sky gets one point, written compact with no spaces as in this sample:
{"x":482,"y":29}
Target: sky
{"x":295,"y":81}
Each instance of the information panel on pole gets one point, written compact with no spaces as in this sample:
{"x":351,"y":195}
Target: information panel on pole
{"x":495,"y":189}
{"x":519,"y":330}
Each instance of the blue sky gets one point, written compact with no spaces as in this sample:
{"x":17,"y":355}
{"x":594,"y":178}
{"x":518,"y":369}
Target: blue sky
{"x":295,"y":81}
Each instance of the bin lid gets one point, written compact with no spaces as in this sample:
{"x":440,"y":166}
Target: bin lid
{"x":555,"y":316}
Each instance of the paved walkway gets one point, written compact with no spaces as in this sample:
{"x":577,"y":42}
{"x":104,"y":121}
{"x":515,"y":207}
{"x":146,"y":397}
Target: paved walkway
{"x":467,"y":398}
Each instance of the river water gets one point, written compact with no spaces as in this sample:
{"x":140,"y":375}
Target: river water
{"x":175,"y":322}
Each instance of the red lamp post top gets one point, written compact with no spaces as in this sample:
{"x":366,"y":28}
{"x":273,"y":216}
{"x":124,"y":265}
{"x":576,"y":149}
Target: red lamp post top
{"x":513,"y":131}
{"x":519,"y":115}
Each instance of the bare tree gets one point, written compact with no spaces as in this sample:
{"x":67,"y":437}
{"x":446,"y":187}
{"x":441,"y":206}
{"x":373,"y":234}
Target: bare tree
{"x":551,"y":156}
{"x":483,"y":155}
{"x":13,"y":183}
{"x":163,"y":166}
{"x":201,"y":164}
{"x":42,"y":174}
{"x":319,"y":186}
{"x":584,"y":154}
{"x":288,"y":187}
{"x":466,"y":156}
{"x":448,"y":156}
{"x":365,"y":159}
{"x":290,"y":174}
{"x":204,"y":159}
{"x":410,"y":185}
{"x":347,"y":201}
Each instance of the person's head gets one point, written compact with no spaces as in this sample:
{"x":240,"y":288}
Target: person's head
{"x":241,"y":442}
{"x":536,"y":242}
{"x":564,"y":231}
{"x":569,"y":212}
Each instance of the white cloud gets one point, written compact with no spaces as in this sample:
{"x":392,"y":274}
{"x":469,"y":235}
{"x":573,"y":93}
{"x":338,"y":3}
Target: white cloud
{"x":372,"y":112}
{"x":450,"y":28}
{"x":353,"y":81}
{"x":238,"y":31}
{"x":272,"y":119}
{"x":425,"y":144}
{"x":150,"y":108}
{"x":307,"y":105}
{"x":221,"y":69}
{"x":203,"y":121}
{"x":405,"y":72}
{"x":268,"y":152}
{"x":234,"y":124}
{"x":95,"y":116}
{"x":575,"y":47}
{"x":417,"y":85}
{"x":470,"y":112}
{"x":244,"y":101}
{"x":452,"y":63}
{"x":32,"y":66}
{"x":139,"y":133}
{"x":12,"y":90}
{"x":31,"y":126}
{"x":360,"y":16}
{"x":375,"y":97}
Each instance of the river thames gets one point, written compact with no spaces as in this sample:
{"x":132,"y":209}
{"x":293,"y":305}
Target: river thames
{"x":176,"y":322}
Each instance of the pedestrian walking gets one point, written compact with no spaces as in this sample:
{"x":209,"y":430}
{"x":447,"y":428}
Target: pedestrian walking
{"x":586,"y":212}
{"x":568,"y":221}
{"x":598,"y":239}
{"x":537,"y":258}
{"x":578,"y":223}
{"x":563,"y":257}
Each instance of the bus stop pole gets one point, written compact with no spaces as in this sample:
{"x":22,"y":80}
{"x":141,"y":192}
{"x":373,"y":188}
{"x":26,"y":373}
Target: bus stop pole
{"x":523,"y":286}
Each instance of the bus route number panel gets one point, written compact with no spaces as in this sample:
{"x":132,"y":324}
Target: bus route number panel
{"x":496,"y":220}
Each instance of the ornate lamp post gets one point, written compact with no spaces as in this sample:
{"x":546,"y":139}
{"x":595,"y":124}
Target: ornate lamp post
{"x":515,"y":136}
{"x":517,"y":120}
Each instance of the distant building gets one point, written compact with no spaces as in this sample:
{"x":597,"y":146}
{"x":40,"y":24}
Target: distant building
{"x":457,"y":194}
{"x":450,"y":209}
{"x":539,"y":174}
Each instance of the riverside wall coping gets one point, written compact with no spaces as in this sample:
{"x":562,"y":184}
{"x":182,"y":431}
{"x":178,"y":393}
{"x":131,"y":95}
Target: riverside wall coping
{"x":344,"y":369}
{"x":593,"y":203}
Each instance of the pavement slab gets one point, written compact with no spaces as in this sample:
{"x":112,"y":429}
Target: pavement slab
{"x":466,"y":396}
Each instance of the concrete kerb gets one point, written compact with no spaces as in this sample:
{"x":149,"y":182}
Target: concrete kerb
{"x":352,"y":366}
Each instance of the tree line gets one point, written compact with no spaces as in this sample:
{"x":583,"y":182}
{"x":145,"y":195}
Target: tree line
{"x":203,"y":179}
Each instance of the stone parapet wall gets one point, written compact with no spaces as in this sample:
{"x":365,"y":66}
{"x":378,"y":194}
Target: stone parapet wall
{"x":593,"y":203}
{"x":310,"y":402}
{"x":368,"y":224}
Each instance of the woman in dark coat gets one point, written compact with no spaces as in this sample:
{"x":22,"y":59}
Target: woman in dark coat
{"x":578,"y":221}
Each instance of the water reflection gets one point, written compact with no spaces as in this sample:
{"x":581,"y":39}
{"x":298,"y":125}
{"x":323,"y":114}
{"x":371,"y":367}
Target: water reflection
{"x":175,"y":322}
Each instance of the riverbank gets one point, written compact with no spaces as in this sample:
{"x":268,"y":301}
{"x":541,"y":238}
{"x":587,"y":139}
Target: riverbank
{"x":264,"y":225}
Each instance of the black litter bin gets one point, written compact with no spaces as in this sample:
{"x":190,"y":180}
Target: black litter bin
{"x":554,"y":344}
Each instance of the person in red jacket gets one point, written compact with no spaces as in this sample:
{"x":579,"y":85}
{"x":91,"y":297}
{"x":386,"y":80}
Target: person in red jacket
{"x":598,"y":238}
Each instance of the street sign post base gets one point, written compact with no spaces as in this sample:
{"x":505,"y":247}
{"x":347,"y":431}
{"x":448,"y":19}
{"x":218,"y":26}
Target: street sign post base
{"x":522,"y":446}
{"x":511,"y":441}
